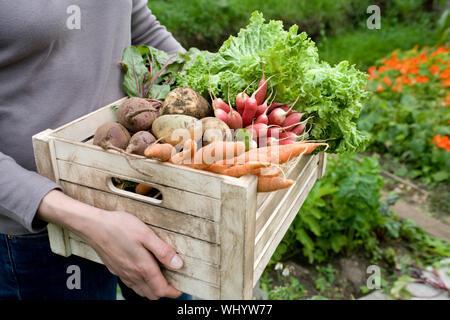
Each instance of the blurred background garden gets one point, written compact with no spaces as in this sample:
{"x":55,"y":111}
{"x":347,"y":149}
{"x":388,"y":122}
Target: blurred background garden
{"x":389,"y":205}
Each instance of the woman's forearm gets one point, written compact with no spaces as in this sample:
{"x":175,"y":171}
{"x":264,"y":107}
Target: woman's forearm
{"x":60,"y":209}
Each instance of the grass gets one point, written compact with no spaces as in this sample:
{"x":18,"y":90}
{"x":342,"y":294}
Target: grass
{"x":363,"y":47}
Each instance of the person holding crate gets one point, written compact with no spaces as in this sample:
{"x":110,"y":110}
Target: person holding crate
{"x":58,"y":63}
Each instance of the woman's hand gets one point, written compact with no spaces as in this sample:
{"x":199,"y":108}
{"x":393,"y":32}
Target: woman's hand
{"x":124,"y":243}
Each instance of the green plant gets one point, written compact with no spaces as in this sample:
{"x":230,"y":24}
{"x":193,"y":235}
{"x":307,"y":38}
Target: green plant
{"x":408,"y":113}
{"x":340,"y":213}
{"x":289,"y":287}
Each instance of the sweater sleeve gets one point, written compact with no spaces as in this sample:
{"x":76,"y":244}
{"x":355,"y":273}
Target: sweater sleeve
{"x":21,"y":193}
{"x":146,"y":30}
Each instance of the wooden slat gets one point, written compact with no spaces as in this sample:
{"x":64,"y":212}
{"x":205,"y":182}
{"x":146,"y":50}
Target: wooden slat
{"x":174,"y":199}
{"x":84,"y":127}
{"x":237,"y":239}
{"x":179,"y":177}
{"x":195,"y":287}
{"x":44,"y":154}
{"x":192,"y":267}
{"x":322,"y":164}
{"x":183,"y":282}
{"x":274,"y":199}
{"x":275,"y":229}
{"x":184,"y":245}
{"x":195,"y":227}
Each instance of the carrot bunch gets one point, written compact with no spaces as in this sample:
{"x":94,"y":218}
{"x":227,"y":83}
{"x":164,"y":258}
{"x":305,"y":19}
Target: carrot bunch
{"x":230,"y":158}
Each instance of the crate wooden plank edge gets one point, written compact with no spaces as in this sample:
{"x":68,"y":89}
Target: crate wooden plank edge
{"x":192,"y":226}
{"x":183,"y":282}
{"x":172,"y":198}
{"x":278,"y":231}
{"x":237,"y":239}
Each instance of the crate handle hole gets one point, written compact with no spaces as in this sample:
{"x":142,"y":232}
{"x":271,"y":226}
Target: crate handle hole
{"x":136,"y":190}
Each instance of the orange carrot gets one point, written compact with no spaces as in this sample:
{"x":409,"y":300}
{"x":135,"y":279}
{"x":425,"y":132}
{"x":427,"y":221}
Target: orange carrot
{"x":143,"y":189}
{"x":266,"y":184}
{"x":274,"y":154}
{"x":185,"y":156}
{"x":219,"y":150}
{"x":162,"y":152}
{"x":268,"y":172}
{"x":240,"y":170}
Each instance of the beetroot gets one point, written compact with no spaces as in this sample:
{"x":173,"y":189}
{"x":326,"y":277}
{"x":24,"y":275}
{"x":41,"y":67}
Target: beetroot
{"x":139,"y":142}
{"x":138,"y":114}
{"x":111,"y":135}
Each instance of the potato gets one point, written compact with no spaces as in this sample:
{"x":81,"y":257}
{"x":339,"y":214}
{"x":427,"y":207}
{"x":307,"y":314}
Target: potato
{"x":188,"y":102}
{"x":214,"y":129}
{"x":174,"y":129}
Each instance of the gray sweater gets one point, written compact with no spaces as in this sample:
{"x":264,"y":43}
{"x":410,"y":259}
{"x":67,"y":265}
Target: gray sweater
{"x":58,"y":61}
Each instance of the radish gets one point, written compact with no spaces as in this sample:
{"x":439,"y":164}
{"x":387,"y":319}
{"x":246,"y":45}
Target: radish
{"x":274,"y":105}
{"x":262,"y":89}
{"x":298,"y":129}
{"x":278,"y":115}
{"x":285,"y":141}
{"x":294,"y":117}
{"x":249,"y":111}
{"x":251,"y":105}
{"x":218,"y":103}
{"x":257,"y":130}
{"x":221,"y":114}
{"x":234,"y":120}
{"x":241,"y":99}
{"x":263,"y":108}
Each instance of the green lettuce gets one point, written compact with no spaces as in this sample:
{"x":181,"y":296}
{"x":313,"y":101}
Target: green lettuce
{"x":331,"y":95}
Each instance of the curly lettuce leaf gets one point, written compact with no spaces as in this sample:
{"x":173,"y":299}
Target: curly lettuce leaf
{"x":332,"y":96}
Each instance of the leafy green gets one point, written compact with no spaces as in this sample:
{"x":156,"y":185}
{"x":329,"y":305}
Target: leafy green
{"x":331,"y":95}
{"x":149,"y":72}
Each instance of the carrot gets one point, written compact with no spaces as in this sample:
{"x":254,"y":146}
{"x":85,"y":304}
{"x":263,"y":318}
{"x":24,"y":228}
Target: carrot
{"x":163,"y":152}
{"x":219,"y":150}
{"x":143,"y":189}
{"x":266,"y":184}
{"x":240,"y":170}
{"x":276,"y":154}
{"x":268,"y":172}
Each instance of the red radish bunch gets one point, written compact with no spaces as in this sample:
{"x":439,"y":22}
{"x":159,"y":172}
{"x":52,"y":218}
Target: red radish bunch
{"x":268,"y":121}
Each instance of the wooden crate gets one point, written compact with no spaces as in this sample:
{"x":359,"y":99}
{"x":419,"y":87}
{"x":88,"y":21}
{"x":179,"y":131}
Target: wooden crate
{"x":223,"y":229}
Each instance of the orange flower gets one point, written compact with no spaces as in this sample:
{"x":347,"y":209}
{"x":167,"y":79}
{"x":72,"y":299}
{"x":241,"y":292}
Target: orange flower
{"x":442,"y":142}
{"x":434,"y":69}
{"x":420,"y":79}
{"x":379,"y":88}
{"x":387,"y":80}
{"x":372,"y":69}
{"x":447,"y":99}
{"x":397,"y":87}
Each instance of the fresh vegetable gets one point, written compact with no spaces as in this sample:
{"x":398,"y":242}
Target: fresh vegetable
{"x":245,"y":136}
{"x":219,"y":150}
{"x":111,"y":135}
{"x":214,"y":129}
{"x":240,"y":170}
{"x":185,"y":101}
{"x":220,"y":114}
{"x":138,"y":114}
{"x":234,"y":120}
{"x":277,"y":154}
{"x":174,"y":129}
{"x":160,"y":151}
{"x":269,"y":184}
{"x":149,"y":72}
{"x":139,"y":142}
{"x":143,"y":189}
{"x":332,"y":95}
